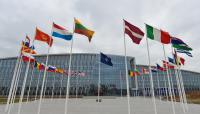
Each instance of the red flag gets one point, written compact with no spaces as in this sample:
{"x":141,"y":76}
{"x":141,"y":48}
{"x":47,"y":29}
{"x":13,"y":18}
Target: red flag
{"x":167,"y":65}
{"x":26,"y":57}
{"x":134,"y":32}
{"x":41,"y":36}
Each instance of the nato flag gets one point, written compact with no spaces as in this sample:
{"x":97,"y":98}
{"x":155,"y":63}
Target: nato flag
{"x":105,"y":59}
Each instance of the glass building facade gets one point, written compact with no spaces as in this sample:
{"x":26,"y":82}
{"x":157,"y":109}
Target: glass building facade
{"x":113,"y":78}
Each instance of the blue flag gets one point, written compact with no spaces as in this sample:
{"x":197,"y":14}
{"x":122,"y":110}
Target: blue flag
{"x":105,"y":59}
{"x":171,"y":60}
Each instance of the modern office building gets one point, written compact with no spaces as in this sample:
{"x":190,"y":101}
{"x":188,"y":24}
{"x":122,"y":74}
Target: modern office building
{"x":85,"y":72}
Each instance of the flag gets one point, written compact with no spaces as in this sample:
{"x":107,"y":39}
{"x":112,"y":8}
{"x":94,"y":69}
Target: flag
{"x":80,"y":29}
{"x":61,"y":32}
{"x":27,"y":39}
{"x":59,"y":70}
{"x":105,"y":59}
{"x":41,"y":36}
{"x":179,"y":44}
{"x":51,"y":68}
{"x":168,"y":65}
{"x":26,"y":57}
{"x":158,"y":35}
{"x":27,"y":49}
{"x":39,"y":66}
{"x":185,"y":52}
{"x":171,"y":60}
{"x":134,"y":32}
{"x":81,"y":73}
{"x":137,"y":72}
{"x":160,"y":68}
{"x":154,"y":69}
{"x":145,"y":71}
{"x":179,"y":60}
{"x":131,"y":73}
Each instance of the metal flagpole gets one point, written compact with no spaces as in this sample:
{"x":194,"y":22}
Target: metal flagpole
{"x":127,"y":78}
{"x":24,"y":84}
{"x":30,"y":85}
{"x":169,"y":84}
{"x":38,"y":81}
{"x":45,"y":87}
{"x":44,"y":79}
{"x":179,"y":85}
{"x":68,"y":78}
{"x":76,"y":82}
{"x":158,"y":86}
{"x":13,"y":95}
{"x":182,"y":88}
{"x":136,"y":81}
{"x":61,"y":85}
{"x":99,"y":80}
{"x":143,"y":86}
{"x":52,"y":92}
{"x":151,"y":77}
{"x":179,"y":90}
{"x":171,"y":80}
{"x":120,"y":78}
{"x":13,"y":80}
{"x":166,"y":88}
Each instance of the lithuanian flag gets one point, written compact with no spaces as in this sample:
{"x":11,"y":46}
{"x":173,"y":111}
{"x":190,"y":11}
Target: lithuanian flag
{"x":80,"y":29}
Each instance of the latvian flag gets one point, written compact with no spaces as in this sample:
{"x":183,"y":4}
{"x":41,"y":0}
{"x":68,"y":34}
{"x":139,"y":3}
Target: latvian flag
{"x":158,"y":35}
{"x":134,"y":32}
{"x":60,"y":32}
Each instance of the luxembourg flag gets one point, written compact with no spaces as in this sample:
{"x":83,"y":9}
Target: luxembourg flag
{"x":60,"y":32}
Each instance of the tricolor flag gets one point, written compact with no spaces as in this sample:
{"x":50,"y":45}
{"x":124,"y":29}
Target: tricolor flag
{"x":60,"y":32}
{"x":51,"y":68}
{"x":158,"y":35}
{"x":134,"y":32}
{"x":179,"y":44}
{"x":80,"y":29}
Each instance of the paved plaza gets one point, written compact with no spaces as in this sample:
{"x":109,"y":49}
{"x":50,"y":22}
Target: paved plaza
{"x":112,"y":105}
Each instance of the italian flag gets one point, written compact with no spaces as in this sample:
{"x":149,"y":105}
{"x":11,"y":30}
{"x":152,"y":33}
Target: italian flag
{"x":158,"y":35}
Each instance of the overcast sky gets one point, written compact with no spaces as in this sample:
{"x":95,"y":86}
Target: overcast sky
{"x":180,"y":19}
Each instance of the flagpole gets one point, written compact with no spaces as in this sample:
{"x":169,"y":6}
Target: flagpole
{"x":44,"y":77}
{"x":166,"y":88}
{"x":183,"y":90}
{"x":13,"y":81}
{"x":76,"y":82}
{"x":169,"y":84}
{"x":151,"y":77}
{"x":69,"y":76}
{"x":99,"y":80}
{"x":171,"y":80}
{"x":38,"y":81}
{"x":13,"y":94}
{"x":24,"y":83}
{"x":144,"y":93}
{"x":61,"y":84}
{"x":30,"y":85}
{"x":127,"y":78}
{"x":178,"y":83}
{"x":136,"y":81}
{"x":52,"y":92}
{"x":120,"y":78}
{"x":158,"y":85}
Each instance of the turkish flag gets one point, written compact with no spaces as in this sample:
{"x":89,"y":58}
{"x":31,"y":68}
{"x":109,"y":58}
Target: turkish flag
{"x":41,"y":36}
